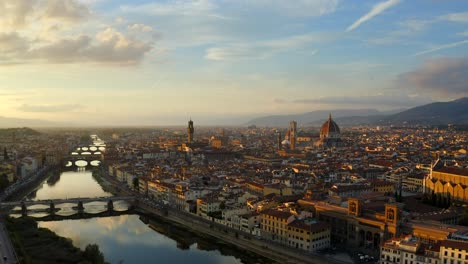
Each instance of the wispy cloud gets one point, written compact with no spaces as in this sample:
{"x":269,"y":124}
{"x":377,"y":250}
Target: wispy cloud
{"x":300,"y":8}
{"x":263,"y":49}
{"x":442,"y":47}
{"x":376,"y":9}
{"x":456,"y":17}
{"x":406,"y":29}
{"x":49,"y":108}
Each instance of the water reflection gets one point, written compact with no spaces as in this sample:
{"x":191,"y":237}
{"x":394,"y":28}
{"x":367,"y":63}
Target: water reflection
{"x":81,"y":163}
{"x":95,"y":163}
{"x":71,"y":184}
{"x":126,"y":239}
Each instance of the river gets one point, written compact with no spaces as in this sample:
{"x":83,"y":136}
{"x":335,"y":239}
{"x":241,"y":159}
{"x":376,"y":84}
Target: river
{"x":125,"y":238}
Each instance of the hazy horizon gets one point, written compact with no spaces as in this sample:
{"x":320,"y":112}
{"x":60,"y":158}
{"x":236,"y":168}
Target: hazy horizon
{"x":141,"y":62}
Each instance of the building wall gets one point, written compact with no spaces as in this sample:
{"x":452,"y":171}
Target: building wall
{"x":445,"y":183}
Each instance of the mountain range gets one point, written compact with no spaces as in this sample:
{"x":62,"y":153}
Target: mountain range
{"x":438,"y":113}
{"x":6,"y":122}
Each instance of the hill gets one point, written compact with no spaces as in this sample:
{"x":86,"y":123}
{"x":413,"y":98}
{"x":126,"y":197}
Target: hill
{"x":24,"y":131}
{"x":311,"y":118}
{"x":6,"y":122}
{"x":440,"y":113}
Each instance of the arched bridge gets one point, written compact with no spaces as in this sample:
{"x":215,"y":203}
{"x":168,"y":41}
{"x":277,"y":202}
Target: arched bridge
{"x":53,"y":203}
{"x":68,"y":200}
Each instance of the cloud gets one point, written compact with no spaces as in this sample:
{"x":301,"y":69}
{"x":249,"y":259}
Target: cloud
{"x":376,"y":9}
{"x":463,"y":34}
{"x":14,"y":12}
{"x":382,"y":100}
{"x":456,"y":17}
{"x":109,"y":47}
{"x":173,"y":7}
{"x":140,"y":27}
{"x":300,"y":8}
{"x":47,"y":31}
{"x":263,"y":49}
{"x":447,"y":77}
{"x":50,"y":108}
{"x":406,"y":29}
{"x":68,"y":10}
{"x":12,"y":43}
{"x":442,"y":47}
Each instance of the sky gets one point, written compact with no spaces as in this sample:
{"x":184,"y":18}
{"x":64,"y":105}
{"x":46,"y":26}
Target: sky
{"x":140,"y":62}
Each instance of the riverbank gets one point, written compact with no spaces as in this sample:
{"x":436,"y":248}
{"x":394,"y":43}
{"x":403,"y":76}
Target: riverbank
{"x":42,"y":246}
{"x":107,"y":185}
{"x":33,"y":185}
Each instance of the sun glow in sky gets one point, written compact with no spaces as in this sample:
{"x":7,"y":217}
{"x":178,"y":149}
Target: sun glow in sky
{"x":140,"y":62}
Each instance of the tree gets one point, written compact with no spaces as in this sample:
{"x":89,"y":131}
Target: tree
{"x":464,"y":218}
{"x":5,"y":154}
{"x":4,"y":181}
{"x":136,"y":183}
{"x":93,"y":254}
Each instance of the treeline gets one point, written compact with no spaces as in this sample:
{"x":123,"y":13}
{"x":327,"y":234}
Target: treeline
{"x":42,"y":246}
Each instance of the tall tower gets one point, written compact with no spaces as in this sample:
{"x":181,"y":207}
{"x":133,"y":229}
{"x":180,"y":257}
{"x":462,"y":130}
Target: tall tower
{"x":278,"y":139}
{"x":190,"y":131}
{"x":292,"y":134}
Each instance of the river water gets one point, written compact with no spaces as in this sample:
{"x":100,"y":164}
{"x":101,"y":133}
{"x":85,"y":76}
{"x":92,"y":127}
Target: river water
{"x":126,"y":238}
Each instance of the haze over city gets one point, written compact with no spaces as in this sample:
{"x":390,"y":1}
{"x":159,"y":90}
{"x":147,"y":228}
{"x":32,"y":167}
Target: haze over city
{"x":161,"y":62}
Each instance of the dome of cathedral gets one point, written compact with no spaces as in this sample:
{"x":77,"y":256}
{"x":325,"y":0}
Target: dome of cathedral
{"x":329,"y":128}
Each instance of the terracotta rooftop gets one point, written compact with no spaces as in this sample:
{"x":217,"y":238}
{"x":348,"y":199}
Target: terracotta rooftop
{"x":453,"y":170}
{"x":454,"y":244}
{"x":276,"y":213}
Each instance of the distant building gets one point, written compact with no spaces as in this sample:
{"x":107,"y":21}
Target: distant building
{"x":292,"y":134}
{"x":330,"y":135}
{"x":308,"y":235}
{"x":190,"y":131}
{"x":450,"y":182}
{"x":409,"y":249}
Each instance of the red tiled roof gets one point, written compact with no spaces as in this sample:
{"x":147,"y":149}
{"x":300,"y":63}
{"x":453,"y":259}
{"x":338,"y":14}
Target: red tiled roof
{"x":454,"y":244}
{"x":276,"y":213}
{"x":317,"y":227}
{"x":453,"y":170}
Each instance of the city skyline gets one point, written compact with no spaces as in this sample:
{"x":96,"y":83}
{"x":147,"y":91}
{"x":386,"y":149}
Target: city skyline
{"x":160,"y":62}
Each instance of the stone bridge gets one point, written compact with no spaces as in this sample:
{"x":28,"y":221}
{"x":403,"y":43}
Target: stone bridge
{"x":52,"y":203}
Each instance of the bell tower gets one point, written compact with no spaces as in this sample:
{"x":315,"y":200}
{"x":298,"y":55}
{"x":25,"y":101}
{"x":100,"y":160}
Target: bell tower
{"x":354,"y":207}
{"x":190,"y":131}
{"x":392,"y":214}
{"x":292,"y":134}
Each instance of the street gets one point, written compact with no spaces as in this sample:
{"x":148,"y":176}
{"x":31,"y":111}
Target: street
{"x":6,"y":248}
